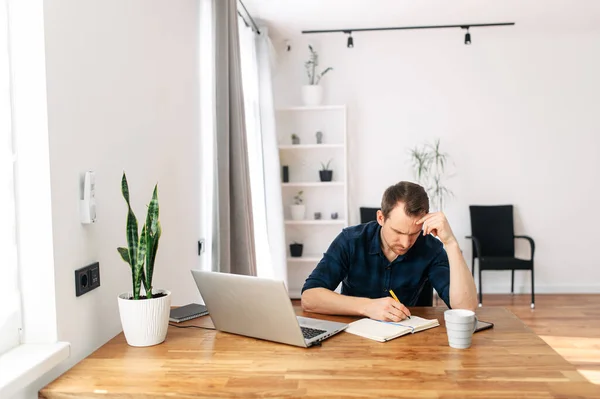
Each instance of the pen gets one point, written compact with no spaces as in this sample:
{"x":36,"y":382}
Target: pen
{"x":396,"y":298}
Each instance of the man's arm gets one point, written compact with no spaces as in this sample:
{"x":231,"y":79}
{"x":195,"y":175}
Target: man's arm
{"x":322,"y":300}
{"x":463,"y":293}
{"x":325,"y":301}
{"x":318,"y":295}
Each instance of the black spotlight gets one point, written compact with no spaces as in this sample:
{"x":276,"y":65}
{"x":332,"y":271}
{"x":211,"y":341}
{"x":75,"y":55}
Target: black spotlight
{"x":350,"y":42}
{"x":467,"y":37}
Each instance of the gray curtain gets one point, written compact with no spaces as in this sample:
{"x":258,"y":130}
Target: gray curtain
{"x":234,"y":224}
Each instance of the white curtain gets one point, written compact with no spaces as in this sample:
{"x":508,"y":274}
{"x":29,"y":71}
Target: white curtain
{"x":257,"y":55}
{"x":10,"y":310}
{"x":208,"y":226}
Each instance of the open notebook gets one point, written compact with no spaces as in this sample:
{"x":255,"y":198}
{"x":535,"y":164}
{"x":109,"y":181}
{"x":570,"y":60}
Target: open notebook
{"x":383,"y":331}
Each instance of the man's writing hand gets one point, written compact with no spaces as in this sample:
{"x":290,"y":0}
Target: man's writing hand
{"x":386,"y":309}
{"x":437,"y":224}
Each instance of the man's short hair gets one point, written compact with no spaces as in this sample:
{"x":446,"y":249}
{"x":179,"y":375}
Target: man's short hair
{"x":414,"y":197}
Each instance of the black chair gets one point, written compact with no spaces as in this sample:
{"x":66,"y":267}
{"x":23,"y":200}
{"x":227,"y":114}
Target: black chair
{"x":426,"y":295}
{"x":368,"y":214}
{"x":492,"y":232}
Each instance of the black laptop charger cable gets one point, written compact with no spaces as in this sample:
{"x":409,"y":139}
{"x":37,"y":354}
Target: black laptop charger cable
{"x":205,"y":328}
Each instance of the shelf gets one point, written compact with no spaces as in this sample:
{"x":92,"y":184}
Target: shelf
{"x":311,"y":259}
{"x":313,"y":184}
{"x":309,"y":146}
{"x":315,"y":108}
{"x":315,"y":222}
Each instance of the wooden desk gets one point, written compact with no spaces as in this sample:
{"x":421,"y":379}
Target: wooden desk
{"x":508,"y":361}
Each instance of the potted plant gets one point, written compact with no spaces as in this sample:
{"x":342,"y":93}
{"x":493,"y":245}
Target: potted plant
{"x":144,"y":315}
{"x":312,"y":93}
{"x":429,"y":168}
{"x":325,"y":173}
{"x":298,"y":209}
{"x":296,"y":249}
{"x":295,"y":139}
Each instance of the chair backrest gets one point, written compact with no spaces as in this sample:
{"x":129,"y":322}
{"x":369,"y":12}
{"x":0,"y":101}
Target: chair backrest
{"x":493,"y":226}
{"x":426,"y":296}
{"x":368,"y":214}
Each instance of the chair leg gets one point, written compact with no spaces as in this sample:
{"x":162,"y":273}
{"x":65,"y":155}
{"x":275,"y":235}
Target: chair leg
{"x":473,"y":266}
{"x":480,"y":288}
{"x":512,"y":281}
{"x":532,"y":291}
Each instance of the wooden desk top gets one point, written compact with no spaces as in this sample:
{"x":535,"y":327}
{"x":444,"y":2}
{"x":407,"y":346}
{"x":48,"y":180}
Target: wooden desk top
{"x":508,"y":361}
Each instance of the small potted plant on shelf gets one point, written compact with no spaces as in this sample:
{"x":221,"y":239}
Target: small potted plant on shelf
{"x":296,"y":249}
{"x":325,"y":173}
{"x":295,"y":139}
{"x":298,"y":209}
{"x":312,"y":93}
{"x":144,"y":315}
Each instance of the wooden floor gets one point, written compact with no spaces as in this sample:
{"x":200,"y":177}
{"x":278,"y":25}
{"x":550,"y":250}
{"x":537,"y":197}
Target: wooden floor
{"x":570,"y":324}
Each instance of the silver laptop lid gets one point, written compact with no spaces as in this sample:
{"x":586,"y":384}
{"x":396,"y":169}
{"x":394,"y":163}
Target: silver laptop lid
{"x":251,"y":306}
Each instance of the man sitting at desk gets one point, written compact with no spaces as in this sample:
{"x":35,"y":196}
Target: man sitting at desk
{"x":397,"y":252}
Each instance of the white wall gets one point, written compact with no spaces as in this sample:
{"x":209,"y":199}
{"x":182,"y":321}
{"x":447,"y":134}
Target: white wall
{"x":517,"y":111}
{"x":122,"y":96}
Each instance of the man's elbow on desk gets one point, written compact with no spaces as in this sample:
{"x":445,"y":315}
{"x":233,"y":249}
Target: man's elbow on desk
{"x":468,"y":304}
{"x":309,"y":299}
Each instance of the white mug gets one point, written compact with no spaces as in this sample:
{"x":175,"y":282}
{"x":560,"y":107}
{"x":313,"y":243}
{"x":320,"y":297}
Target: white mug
{"x":460,"y":325}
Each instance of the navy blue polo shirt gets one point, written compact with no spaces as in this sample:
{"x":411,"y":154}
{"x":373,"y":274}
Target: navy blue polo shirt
{"x":355,"y":259}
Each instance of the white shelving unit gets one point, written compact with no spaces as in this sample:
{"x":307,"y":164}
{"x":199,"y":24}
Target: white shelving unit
{"x":313,"y":184}
{"x":304,"y":161}
{"x":316,"y":222}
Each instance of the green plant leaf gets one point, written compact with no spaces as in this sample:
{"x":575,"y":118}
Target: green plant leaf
{"x":152,"y":216}
{"x":151,"y":257}
{"x":124,"y":252}
{"x":138,"y":270}
{"x":323,"y":73}
{"x":152,"y":236}
{"x":326,"y":166}
{"x":131,"y":231}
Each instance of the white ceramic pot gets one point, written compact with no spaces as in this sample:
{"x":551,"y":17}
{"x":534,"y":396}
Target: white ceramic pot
{"x":145,"y":321}
{"x":298,"y":212}
{"x":312,"y":95}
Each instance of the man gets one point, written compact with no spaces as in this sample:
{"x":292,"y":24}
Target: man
{"x":398,"y":252}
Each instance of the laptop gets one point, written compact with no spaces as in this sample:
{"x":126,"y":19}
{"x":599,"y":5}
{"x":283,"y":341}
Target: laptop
{"x":259,"y":308}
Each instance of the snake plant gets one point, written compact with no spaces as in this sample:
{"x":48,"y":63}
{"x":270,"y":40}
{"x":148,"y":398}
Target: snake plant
{"x":141,"y":249}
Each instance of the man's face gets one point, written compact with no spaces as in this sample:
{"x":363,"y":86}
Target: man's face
{"x":399,"y":231}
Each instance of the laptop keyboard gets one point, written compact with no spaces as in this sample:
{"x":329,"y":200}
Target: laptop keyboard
{"x":311,"y":332}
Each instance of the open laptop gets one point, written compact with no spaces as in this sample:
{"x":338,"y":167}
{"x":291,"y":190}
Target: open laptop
{"x":260,"y":308}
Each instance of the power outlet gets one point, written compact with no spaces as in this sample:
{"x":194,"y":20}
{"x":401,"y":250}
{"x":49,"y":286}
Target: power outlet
{"x":87,"y":278}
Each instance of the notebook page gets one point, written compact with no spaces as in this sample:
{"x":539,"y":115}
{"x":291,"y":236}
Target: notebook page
{"x":416,"y":323}
{"x":377,"y":330}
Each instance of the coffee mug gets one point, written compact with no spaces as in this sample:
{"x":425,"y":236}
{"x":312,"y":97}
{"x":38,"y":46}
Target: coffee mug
{"x":460,"y":325}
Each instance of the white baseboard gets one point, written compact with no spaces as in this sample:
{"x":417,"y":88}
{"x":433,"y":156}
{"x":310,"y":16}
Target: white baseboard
{"x":294,"y":294}
{"x":541,"y":289}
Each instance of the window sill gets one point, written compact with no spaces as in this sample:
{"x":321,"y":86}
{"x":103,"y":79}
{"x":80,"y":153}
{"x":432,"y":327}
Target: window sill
{"x":24,"y":364}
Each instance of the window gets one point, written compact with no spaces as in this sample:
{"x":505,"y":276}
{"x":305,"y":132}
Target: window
{"x":250,"y":83}
{"x":10,"y":313}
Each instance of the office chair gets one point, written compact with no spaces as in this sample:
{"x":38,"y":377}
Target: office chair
{"x":368,"y":214}
{"x":426,"y":296}
{"x":492,"y":233}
